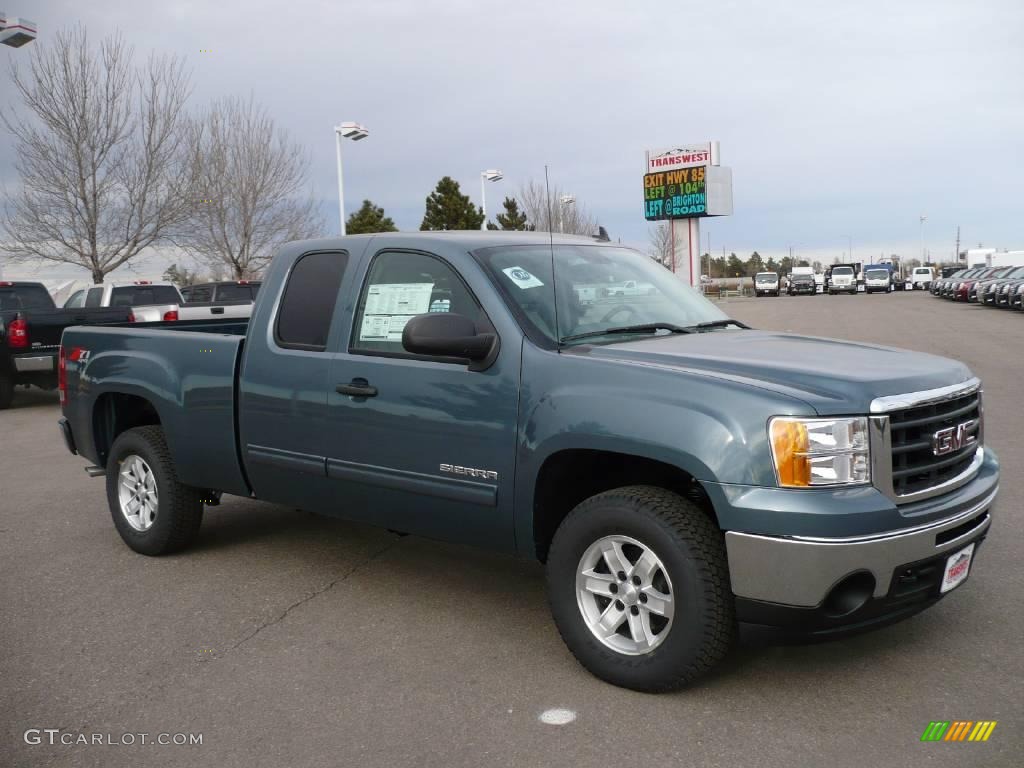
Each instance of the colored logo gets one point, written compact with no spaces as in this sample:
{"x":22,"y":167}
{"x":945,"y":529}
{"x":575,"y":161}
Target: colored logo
{"x":959,"y":730}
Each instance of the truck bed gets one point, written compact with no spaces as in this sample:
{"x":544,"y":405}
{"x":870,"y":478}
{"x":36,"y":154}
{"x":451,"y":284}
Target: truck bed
{"x":186,"y":371}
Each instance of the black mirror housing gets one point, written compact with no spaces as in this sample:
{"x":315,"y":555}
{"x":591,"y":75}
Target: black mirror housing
{"x":448,"y":334}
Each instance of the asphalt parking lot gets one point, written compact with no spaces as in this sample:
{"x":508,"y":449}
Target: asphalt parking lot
{"x":287,"y":639}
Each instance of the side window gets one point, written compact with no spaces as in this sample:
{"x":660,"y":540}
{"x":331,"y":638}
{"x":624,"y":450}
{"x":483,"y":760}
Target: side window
{"x":307,"y":306}
{"x":76,"y":300}
{"x":94,"y":297}
{"x":400,"y":286}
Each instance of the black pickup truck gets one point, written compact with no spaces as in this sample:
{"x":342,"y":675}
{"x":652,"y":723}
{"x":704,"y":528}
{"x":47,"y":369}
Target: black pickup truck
{"x":30,"y":331}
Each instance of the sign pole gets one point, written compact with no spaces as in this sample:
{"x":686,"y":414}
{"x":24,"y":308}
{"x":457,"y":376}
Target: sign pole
{"x":685,"y":249}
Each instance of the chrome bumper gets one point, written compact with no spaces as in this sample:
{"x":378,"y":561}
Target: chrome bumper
{"x":34,"y":363}
{"x":800,"y":571}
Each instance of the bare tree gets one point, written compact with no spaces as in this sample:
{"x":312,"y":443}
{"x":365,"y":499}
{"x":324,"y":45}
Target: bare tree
{"x":100,"y":152}
{"x":661,"y":243}
{"x":250,"y":190}
{"x":548,"y":214}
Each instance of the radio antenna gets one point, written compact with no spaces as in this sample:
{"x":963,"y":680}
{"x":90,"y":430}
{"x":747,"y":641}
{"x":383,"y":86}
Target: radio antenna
{"x":551,"y":245}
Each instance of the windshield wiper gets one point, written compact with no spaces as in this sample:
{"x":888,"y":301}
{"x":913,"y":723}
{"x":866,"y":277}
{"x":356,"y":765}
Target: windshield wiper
{"x":640,"y":328}
{"x":716,"y":324}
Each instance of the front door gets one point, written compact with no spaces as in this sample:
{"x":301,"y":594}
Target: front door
{"x":422,"y":445}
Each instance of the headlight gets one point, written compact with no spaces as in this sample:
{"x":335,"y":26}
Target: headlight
{"x":815,"y":452}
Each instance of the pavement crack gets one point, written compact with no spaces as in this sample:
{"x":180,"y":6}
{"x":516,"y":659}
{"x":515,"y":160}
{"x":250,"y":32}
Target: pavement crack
{"x":314,"y":594}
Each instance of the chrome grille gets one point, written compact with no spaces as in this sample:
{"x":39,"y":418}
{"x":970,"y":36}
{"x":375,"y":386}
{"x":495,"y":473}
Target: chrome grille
{"x":903,"y":432}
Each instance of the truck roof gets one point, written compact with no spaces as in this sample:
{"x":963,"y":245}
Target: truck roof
{"x":468,"y":239}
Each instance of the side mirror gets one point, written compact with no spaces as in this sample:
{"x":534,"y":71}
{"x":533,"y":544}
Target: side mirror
{"x":446,"y":334}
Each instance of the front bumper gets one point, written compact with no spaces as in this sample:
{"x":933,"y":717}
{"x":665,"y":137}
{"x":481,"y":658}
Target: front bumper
{"x":787,"y":561}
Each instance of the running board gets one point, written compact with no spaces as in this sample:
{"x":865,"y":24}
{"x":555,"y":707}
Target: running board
{"x":95,"y":471}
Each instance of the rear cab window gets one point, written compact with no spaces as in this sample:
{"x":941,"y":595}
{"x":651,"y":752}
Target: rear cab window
{"x":307,"y":305}
{"x":234,"y":292}
{"x":25,"y":297}
{"x":141,"y":295}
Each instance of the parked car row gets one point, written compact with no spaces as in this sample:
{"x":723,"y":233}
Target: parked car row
{"x":994,"y":286}
{"x":31,"y":324}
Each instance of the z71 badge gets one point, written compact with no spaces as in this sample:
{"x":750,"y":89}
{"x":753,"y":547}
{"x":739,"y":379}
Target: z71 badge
{"x":483,"y":474}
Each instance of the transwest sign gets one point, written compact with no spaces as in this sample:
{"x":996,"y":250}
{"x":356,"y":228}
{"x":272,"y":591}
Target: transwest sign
{"x":682,"y":156}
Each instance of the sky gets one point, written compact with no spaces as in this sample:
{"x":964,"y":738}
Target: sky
{"x":842,"y":122}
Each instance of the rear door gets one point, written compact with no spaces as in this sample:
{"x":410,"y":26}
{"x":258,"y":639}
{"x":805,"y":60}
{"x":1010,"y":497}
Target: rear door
{"x":430,"y":447}
{"x":284,"y":381}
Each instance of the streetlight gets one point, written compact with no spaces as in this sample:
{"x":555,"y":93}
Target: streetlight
{"x":16,"y":32}
{"x":924,"y":258}
{"x":849,"y":242}
{"x":356,"y":132}
{"x":564,"y":200}
{"x":485,"y":176}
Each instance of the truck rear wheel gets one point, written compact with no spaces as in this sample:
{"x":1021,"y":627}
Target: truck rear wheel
{"x":154,"y":512}
{"x":638,"y":584}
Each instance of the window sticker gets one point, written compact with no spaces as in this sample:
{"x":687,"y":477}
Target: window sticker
{"x":389,"y":306}
{"x":521,"y":277}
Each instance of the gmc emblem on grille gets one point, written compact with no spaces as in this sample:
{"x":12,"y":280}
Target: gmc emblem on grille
{"x":954,"y":438}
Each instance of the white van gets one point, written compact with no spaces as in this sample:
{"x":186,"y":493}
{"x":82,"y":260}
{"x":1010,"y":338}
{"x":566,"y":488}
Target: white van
{"x":922,"y":278}
{"x":766,"y":284}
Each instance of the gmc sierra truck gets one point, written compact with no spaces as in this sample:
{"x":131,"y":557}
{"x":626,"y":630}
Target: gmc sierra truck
{"x":679,"y":473}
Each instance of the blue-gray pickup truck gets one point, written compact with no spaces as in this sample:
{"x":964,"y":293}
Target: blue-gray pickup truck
{"x":679,"y":473}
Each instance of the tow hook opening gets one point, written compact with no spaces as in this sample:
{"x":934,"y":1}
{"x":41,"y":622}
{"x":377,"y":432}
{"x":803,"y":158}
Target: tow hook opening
{"x":849,"y":595}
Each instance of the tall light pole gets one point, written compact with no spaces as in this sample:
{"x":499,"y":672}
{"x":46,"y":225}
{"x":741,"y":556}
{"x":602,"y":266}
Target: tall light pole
{"x":564,"y":201}
{"x":924,"y":258}
{"x":16,"y":32}
{"x":485,"y":176}
{"x":356,"y":132}
{"x":849,"y":242}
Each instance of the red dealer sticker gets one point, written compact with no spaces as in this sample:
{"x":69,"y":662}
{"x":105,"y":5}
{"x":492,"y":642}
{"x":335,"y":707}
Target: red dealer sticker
{"x":957,"y":567}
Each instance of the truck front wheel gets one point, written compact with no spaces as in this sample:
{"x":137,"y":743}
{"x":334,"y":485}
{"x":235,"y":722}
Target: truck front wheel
{"x":638,"y":584}
{"x":154,"y":512}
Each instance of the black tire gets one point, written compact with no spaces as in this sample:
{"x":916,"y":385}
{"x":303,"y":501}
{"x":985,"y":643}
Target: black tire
{"x":6,"y":391}
{"x":179,"y":507}
{"x":692,"y":551}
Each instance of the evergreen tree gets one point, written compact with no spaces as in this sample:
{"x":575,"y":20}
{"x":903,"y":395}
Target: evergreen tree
{"x":771,"y":265}
{"x":369,"y":219}
{"x":180,"y":276}
{"x":734,"y":266}
{"x":448,"y":208}
{"x":513,"y":219}
{"x":754,"y":264}
{"x":786,"y":265}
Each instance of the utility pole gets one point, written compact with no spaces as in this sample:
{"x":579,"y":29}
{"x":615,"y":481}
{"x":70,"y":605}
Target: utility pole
{"x":956,"y":253}
{"x":924,"y":255}
{"x":709,"y":255}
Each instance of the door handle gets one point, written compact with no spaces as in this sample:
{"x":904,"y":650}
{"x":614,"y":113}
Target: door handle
{"x":356,"y":388}
{"x":216,"y":310}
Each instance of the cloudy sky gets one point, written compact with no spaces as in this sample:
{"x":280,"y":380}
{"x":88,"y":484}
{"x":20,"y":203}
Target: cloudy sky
{"x":839,"y":120}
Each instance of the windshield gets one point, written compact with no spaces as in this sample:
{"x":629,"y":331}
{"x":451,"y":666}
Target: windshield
{"x":599,"y":288}
{"x":841,"y":271}
{"x":922,"y":271}
{"x":766,"y":277}
{"x":877,"y":274}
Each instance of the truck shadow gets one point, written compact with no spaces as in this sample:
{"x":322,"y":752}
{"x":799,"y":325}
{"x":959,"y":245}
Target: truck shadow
{"x":25,"y":399}
{"x":246,"y":532}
